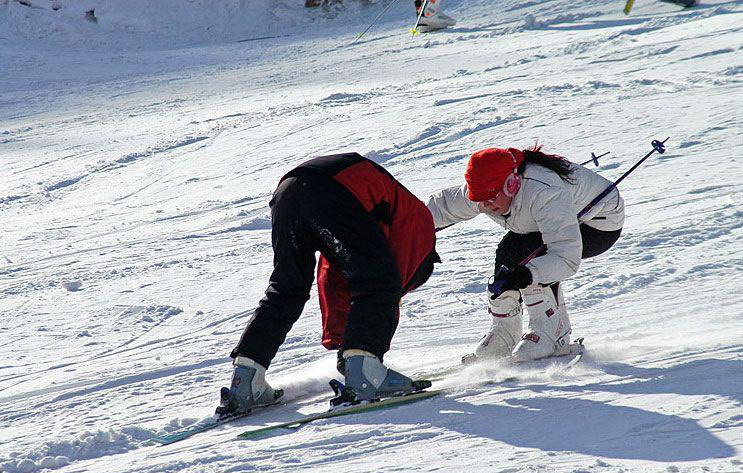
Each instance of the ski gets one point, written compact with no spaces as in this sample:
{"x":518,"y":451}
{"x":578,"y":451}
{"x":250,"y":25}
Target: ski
{"x":201,"y":426}
{"x":574,"y":349}
{"x":574,"y":354}
{"x":343,"y":411}
{"x":261,"y":38}
{"x":577,"y":349}
{"x":682,"y":3}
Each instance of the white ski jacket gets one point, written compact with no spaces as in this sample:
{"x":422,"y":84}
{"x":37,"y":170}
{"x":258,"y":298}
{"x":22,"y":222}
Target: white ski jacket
{"x":546,"y":204}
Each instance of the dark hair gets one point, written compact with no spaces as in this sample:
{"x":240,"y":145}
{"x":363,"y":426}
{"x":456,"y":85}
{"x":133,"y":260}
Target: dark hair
{"x":553,"y":162}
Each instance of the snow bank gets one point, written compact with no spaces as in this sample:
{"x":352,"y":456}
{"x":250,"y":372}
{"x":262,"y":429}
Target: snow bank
{"x":91,"y":23}
{"x":155,"y":23}
{"x":86,"y":446}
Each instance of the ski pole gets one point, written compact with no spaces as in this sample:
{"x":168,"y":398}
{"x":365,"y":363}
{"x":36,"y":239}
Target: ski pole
{"x":387,"y":7}
{"x":420,"y":15}
{"x":628,"y":6}
{"x":658,"y":146}
{"x":595,"y":159}
{"x":496,"y":287}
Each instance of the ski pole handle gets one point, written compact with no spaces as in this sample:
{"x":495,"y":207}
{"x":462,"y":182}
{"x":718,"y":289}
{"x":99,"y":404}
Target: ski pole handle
{"x":496,"y":285}
{"x":595,"y":159}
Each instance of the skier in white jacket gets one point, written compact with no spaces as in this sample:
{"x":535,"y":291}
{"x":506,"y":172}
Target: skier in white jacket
{"x":536,"y":197}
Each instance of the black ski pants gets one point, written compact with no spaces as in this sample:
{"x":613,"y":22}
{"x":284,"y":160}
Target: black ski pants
{"x":514,"y":247}
{"x":316,"y":213}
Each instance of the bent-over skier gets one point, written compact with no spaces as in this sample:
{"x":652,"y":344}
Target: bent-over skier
{"x":376,"y":241}
{"x":536,"y":197}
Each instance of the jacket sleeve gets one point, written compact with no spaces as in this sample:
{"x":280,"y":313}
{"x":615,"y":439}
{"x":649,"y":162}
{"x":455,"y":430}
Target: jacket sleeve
{"x":552,"y":209}
{"x":450,"y":206}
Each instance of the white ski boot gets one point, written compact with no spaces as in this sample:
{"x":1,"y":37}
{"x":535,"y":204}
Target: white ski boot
{"x":505,"y":331}
{"x":433,"y":18}
{"x":549,"y":325}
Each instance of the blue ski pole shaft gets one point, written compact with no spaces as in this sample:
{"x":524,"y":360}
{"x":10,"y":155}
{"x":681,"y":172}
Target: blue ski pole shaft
{"x":657,"y":146}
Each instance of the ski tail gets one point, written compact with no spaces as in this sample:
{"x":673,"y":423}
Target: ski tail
{"x":354,"y":409}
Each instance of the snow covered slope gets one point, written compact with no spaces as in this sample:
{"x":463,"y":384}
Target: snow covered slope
{"x":139,"y":153}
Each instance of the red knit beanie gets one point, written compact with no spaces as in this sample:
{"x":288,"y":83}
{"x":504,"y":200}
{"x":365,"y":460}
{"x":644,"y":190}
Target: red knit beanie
{"x":488,"y":169}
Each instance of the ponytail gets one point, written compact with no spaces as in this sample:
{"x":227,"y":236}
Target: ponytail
{"x":555,"y":163}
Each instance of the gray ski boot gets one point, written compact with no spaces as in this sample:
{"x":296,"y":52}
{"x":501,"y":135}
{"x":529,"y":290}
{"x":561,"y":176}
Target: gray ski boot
{"x":248,"y":389}
{"x":367,"y":379}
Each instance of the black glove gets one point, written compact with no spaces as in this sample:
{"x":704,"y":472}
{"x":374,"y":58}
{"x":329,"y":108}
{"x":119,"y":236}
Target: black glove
{"x":518,"y":278}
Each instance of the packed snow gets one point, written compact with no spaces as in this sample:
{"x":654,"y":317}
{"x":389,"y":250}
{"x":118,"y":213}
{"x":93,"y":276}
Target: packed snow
{"x":140,"y":143}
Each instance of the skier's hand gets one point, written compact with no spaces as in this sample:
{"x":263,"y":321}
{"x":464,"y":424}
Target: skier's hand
{"x":518,"y":278}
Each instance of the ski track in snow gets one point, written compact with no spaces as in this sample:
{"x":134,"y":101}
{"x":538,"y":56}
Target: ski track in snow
{"x":139,"y":156}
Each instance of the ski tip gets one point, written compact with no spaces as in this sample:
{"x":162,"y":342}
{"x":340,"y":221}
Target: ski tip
{"x":469,"y":358}
{"x":422,"y":384}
